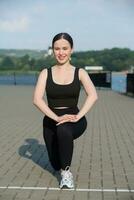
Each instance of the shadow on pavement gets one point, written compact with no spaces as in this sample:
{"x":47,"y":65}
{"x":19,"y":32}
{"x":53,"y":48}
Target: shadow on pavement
{"x":32,"y":150}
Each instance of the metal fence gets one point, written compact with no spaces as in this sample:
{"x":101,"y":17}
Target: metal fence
{"x":130,"y":83}
{"x":101,"y":79}
{"x":18,"y":79}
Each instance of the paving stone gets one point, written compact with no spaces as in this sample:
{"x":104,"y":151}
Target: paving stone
{"x":103,"y":156}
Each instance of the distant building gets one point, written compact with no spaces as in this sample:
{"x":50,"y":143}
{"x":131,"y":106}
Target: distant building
{"x":93,"y":68}
{"x":131,"y":69}
{"x":49,"y":52}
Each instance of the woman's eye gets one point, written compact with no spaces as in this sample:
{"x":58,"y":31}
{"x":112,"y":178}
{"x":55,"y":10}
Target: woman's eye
{"x":56,"y":49}
{"x":65,"y":48}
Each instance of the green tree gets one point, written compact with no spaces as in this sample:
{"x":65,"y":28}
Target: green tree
{"x":25,"y":59}
{"x":26,"y":67}
{"x":32,"y":62}
{"x":7,"y":63}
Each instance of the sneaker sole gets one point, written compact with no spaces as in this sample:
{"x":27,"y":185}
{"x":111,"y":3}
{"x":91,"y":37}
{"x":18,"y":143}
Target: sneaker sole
{"x":66,"y":187}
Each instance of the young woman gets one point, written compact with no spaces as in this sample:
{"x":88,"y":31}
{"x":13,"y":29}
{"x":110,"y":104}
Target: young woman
{"x":63,"y":121}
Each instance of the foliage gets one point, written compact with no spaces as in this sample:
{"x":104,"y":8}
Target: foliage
{"x":115,"y":59}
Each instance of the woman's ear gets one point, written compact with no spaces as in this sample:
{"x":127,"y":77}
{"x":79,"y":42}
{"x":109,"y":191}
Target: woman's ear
{"x":72,"y":50}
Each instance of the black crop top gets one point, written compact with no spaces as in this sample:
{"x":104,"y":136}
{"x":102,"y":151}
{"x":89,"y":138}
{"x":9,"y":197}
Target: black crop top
{"x":62,"y":95}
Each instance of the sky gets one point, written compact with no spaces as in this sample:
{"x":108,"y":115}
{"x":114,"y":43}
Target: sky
{"x":93,"y":24}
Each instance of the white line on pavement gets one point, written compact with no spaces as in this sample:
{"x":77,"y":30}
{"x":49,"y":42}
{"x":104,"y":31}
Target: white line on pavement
{"x":75,"y":189}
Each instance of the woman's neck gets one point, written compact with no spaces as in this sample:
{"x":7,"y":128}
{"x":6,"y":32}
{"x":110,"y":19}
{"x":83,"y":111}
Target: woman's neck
{"x":65,"y":66}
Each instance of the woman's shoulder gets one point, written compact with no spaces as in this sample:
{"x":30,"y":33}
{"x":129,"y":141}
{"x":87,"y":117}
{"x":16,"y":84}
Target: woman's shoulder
{"x":82,"y":72}
{"x":45,"y":70}
{"x":43,"y":73}
{"x":81,"y":69}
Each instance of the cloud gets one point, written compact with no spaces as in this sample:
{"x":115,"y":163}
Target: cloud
{"x":39,"y":8}
{"x":14,"y":25}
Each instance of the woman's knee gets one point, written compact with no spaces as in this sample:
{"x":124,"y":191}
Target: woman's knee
{"x":80,"y":127}
{"x":64,"y":131}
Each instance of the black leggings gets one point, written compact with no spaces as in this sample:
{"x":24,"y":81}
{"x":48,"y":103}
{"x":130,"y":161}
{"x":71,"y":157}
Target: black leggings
{"x":59,"y":139}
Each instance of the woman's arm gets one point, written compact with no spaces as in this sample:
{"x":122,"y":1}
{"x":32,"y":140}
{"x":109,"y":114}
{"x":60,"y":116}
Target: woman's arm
{"x":90,"y":91}
{"x":38,"y":98}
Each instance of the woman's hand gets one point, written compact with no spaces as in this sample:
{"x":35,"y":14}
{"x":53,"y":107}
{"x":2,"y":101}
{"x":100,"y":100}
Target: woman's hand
{"x":67,"y":118}
{"x":76,"y":119}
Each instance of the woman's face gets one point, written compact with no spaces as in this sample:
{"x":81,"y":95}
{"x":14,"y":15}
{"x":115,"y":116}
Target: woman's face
{"x":62,"y":51}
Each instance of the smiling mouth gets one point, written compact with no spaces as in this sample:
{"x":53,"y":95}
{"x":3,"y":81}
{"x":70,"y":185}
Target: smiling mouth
{"x":61,"y":58}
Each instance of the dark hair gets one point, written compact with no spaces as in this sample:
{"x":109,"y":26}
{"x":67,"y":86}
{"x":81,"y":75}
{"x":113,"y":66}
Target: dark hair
{"x":65,"y":36}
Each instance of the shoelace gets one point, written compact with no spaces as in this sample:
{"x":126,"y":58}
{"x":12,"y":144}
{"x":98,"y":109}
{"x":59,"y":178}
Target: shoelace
{"x":66,"y":173}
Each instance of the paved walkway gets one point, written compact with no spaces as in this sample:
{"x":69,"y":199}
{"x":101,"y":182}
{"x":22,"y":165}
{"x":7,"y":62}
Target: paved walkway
{"x":103,"y":159}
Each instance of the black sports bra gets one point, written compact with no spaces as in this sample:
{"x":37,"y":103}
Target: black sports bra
{"x":62,"y":95}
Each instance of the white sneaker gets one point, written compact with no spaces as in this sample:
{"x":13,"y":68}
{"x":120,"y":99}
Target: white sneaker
{"x":67,"y":179}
